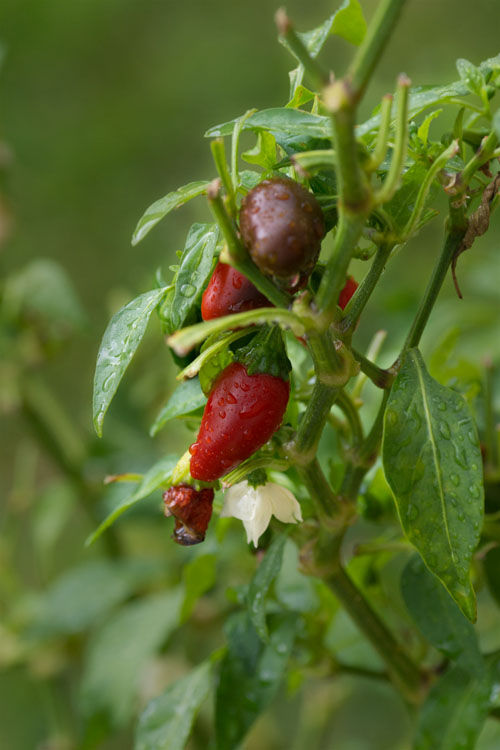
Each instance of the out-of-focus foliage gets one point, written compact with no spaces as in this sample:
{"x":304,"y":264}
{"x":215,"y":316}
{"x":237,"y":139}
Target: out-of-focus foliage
{"x":103,"y":108}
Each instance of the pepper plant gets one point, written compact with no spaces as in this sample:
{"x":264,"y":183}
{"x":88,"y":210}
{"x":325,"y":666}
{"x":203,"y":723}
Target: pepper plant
{"x":417,"y":465}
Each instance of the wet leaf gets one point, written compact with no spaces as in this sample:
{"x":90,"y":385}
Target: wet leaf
{"x":261,"y":582}
{"x":281,"y":122}
{"x":455,"y":710}
{"x":250,"y":675}
{"x":196,"y":265}
{"x":160,"y":208}
{"x":198,"y":576}
{"x":119,"y":344}
{"x":166,"y":721}
{"x":186,"y":399}
{"x":470,"y":75}
{"x":438,"y":617}
{"x":432,"y":462}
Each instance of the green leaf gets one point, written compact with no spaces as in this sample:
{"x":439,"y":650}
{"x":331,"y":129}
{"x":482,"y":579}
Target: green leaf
{"x":438,"y":617}
{"x":163,"y":206}
{"x":219,"y":358}
{"x":470,"y":75}
{"x":120,"y":650}
{"x":264,"y":152}
{"x":157,"y":475}
{"x":401,"y":205}
{"x":43,"y":293}
{"x":261,"y":582}
{"x":432,"y":462}
{"x":301,"y":96}
{"x":186,"y":399}
{"x":196,"y":265}
{"x":496,"y":123}
{"x":81,"y":597}
{"x":119,"y":344}
{"x":347,"y":22}
{"x":198,"y":576}
{"x":281,"y":122}
{"x":166,"y":721}
{"x":455,"y":710}
{"x":421,"y":98}
{"x":423,"y":130}
{"x":250,"y":674}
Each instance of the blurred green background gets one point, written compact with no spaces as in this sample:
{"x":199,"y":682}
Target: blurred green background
{"x":103,"y":108}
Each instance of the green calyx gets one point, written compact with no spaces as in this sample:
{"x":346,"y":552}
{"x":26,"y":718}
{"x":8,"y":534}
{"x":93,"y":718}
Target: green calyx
{"x":266,"y":354}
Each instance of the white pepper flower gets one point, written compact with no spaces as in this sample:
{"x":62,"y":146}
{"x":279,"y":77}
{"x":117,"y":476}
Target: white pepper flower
{"x":255,"y":506}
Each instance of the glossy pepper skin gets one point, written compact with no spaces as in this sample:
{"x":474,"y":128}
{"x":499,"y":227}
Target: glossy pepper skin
{"x":242,"y":412}
{"x":348,"y":290}
{"x":282,"y":226}
{"x":192,"y":510}
{"x":229,"y":291}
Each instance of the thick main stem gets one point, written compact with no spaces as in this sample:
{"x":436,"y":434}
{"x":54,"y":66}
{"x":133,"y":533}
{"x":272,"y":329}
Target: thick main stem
{"x":400,"y":667}
{"x":373,"y":45}
{"x":451,"y":246}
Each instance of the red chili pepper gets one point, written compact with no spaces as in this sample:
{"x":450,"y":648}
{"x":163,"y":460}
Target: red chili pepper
{"x":242,"y":413}
{"x":229,"y":291}
{"x":348,"y":290}
{"x":192,"y":510}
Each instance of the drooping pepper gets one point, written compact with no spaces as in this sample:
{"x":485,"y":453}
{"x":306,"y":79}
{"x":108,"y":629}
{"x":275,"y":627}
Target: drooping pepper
{"x":245,"y":407}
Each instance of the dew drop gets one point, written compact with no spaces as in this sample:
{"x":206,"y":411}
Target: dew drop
{"x":472,"y":437}
{"x":106,"y":385}
{"x":188,"y":290}
{"x":455,"y":479}
{"x":461,"y":516}
{"x":444,"y":430}
{"x":474,"y":490}
{"x":442,"y":406}
{"x":453,"y":500}
{"x":222,"y":414}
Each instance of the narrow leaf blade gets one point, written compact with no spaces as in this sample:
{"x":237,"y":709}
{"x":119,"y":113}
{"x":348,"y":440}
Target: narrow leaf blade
{"x":432,"y":463}
{"x":119,"y":344}
{"x":159,"y":473}
{"x":186,"y":398}
{"x":438,"y":617}
{"x":165,"y":723}
{"x":160,"y":208}
{"x":455,"y":710}
{"x":261,"y":582}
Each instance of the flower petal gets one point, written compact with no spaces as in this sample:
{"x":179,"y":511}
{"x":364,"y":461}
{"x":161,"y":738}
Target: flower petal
{"x":283,"y":503}
{"x":240,"y":501}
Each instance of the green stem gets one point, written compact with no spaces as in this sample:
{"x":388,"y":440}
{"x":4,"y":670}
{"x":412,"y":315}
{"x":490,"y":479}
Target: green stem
{"x":379,"y":377}
{"x":346,"y":405}
{"x":373,"y":45}
{"x":326,"y":501}
{"x":285,"y":29}
{"x":357,"y":303}
{"x":393,"y":178}
{"x":238,"y":256}
{"x":380,"y":151}
{"x":218,"y":149}
{"x":401,"y":668}
{"x":348,"y":233}
{"x":313,"y":421}
{"x":483,"y":155}
{"x":451,"y":246}
{"x":185,"y":339}
{"x":371,"y":354}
